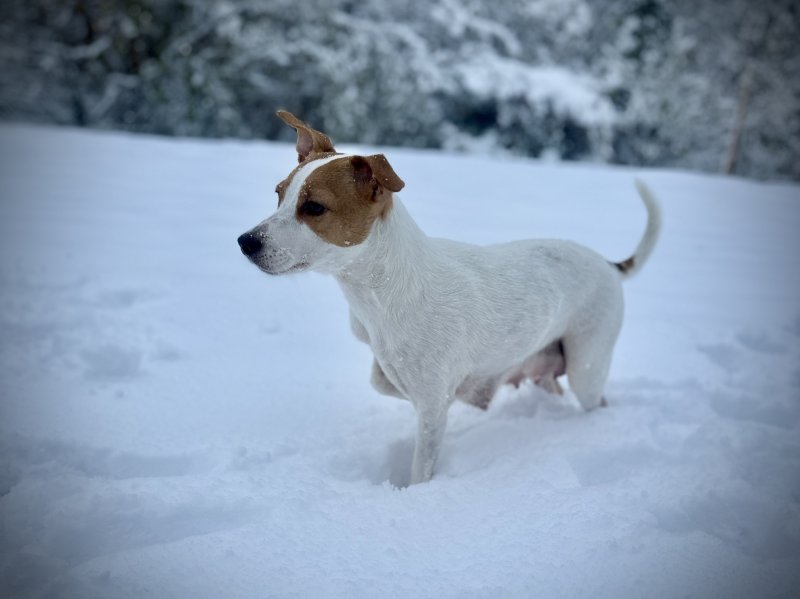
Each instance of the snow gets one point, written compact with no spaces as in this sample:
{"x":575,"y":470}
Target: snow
{"x":176,"y":424}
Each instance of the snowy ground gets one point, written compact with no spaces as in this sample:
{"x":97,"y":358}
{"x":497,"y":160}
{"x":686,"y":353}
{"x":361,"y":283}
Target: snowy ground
{"x":176,"y":424}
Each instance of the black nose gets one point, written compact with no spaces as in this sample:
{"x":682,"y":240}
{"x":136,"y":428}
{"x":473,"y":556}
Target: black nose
{"x":249,"y":243}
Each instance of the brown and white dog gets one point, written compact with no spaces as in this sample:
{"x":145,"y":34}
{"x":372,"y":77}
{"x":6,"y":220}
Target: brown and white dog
{"x":445,"y":320}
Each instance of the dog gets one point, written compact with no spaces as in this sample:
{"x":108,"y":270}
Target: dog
{"x":445,"y":320}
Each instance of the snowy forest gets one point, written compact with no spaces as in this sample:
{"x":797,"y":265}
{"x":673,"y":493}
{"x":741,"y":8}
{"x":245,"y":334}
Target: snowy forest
{"x":706,"y":85}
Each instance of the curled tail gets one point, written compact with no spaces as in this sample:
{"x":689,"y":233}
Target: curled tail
{"x":631,"y":266}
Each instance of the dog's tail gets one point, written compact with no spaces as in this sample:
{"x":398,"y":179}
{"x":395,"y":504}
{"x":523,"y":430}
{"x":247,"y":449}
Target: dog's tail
{"x":631,"y":266}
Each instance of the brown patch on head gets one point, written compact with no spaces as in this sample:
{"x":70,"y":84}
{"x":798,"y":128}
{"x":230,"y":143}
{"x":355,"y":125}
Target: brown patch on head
{"x":281,"y":188}
{"x":309,"y":140}
{"x":353,"y":192}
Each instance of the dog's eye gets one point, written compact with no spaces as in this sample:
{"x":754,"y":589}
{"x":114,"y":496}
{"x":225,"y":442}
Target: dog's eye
{"x":312,"y":208}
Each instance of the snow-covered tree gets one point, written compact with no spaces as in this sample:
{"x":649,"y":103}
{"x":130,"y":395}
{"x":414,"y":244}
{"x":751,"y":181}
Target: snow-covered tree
{"x":657,"y":82}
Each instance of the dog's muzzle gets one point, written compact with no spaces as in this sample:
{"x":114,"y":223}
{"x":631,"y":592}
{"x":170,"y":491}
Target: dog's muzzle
{"x":250,"y":244}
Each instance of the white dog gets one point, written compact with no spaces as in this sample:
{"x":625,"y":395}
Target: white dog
{"x":445,"y":320}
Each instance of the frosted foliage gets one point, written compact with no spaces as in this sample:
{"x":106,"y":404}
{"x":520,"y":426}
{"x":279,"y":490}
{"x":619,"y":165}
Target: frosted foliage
{"x":707,"y":85}
{"x":573,"y":17}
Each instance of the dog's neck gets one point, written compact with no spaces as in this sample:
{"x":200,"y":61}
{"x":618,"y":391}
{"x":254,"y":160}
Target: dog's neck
{"x":393,"y":263}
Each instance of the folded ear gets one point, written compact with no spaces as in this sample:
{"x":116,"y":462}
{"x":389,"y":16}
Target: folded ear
{"x":308,"y":140}
{"x":376,"y":168}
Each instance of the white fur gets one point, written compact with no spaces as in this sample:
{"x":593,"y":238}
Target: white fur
{"x":448,"y":320}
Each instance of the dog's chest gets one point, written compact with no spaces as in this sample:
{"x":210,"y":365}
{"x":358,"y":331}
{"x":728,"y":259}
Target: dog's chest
{"x":409,"y":349}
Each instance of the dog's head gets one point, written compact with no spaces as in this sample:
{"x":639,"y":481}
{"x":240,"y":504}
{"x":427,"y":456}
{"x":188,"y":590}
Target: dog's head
{"x":327,"y":207}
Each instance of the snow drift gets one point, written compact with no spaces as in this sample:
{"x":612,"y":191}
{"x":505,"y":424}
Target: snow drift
{"x":175,"y":424}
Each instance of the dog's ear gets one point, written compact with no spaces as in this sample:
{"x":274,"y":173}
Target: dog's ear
{"x":308,"y":140}
{"x":367,"y":169}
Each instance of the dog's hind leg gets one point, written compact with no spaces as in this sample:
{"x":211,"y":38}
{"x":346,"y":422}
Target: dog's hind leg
{"x":588,"y":360}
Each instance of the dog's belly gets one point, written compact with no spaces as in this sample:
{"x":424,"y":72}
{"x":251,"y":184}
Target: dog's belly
{"x":547,"y":363}
{"x":542,"y":367}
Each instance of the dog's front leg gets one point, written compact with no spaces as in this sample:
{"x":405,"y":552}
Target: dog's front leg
{"x":358,"y":329}
{"x":381,"y":383}
{"x":431,"y":424}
